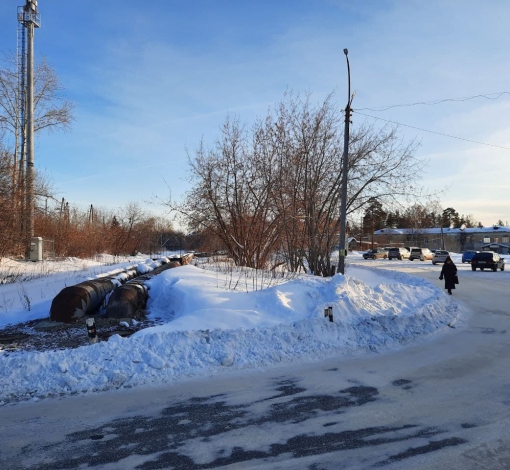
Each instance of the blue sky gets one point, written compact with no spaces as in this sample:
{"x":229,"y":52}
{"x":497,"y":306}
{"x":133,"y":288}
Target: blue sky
{"x":151,"y":79}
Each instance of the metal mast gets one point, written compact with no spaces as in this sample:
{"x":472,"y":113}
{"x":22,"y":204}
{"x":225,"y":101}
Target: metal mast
{"x":21,"y":105}
{"x":29,"y":19}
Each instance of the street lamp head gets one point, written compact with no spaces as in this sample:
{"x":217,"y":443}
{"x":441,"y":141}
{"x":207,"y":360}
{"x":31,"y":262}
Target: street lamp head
{"x":346,"y":51}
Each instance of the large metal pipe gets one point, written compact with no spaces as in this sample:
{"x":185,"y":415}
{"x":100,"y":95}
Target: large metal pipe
{"x":130,"y":299}
{"x":85,"y":298}
{"x":183,"y":259}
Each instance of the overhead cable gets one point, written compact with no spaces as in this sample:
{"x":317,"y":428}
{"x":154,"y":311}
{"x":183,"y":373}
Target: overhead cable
{"x":432,"y":132}
{"x":488,"y":96}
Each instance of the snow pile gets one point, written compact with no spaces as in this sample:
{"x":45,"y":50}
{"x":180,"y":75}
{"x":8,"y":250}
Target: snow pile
{"x":207,"y":329}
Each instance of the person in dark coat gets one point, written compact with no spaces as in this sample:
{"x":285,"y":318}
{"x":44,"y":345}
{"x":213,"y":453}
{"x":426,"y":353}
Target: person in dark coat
{"x":449,"y":273}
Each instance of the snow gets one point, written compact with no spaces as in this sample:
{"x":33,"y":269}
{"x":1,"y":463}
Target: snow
{"x":206,"y":327}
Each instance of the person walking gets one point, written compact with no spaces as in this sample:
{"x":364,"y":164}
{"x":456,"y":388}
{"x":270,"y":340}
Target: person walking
{"x":449,"y":273}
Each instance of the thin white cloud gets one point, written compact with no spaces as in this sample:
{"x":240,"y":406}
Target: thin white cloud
{"x":148,"y":87}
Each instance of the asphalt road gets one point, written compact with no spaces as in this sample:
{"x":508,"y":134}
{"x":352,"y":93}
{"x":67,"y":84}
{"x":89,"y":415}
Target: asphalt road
{"x":443,"y":403}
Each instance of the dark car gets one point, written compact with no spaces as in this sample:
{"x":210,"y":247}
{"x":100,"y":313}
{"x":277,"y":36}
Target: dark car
{"x":489,"y":260}
{"x":398,"y":253}
{"x":467,"y":256}
{"x":376,"y":253}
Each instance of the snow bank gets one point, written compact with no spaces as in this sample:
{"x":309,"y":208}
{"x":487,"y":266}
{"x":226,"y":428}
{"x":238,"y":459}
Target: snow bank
{"x":208,"y":330}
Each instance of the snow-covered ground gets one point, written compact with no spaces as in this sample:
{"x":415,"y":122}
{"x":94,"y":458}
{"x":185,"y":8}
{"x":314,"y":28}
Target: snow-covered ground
{"x":207,"y":327}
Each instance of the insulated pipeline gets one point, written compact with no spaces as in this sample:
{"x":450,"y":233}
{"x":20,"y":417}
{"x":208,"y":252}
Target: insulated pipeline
{"x":85,"y":298}
{"x":129,"y":300}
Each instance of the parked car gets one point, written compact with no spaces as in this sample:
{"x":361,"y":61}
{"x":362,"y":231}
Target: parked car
{"x":398,"y":253}
{"x":487,"y":259}
{"x":420,"y":253}
{"x":440,"y":256}
{"x":467,"y":256}
{"x":376,"y":253}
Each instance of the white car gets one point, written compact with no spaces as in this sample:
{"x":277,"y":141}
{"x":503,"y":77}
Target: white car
{"x":440,"y":256}
{"x":420,"y":253}
{"x":398,"y":253}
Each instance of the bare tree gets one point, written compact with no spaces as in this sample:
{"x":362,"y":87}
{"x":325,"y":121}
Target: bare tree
{"x":7,"y":240}
{"x":85,"y":233}
{"x":381,"y":167}
{"x":231,"y":197}
{"x":278,"y":188}
{"x":309,"y":180}
{"x":52,"y":110}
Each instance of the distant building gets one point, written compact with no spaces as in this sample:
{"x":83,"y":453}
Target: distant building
{"x":497,"y":247}
{"x":493,"y":238}
{"x":362,"y":244}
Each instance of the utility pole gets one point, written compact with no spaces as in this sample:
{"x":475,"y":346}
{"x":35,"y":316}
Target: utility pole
{"x":372,"y":219}
{"x":345,"y":169}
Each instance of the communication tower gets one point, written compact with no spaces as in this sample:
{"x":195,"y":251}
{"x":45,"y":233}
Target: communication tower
{"x":28,"y":20}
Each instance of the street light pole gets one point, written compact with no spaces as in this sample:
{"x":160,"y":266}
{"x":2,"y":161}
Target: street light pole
{"x":345,"y":168}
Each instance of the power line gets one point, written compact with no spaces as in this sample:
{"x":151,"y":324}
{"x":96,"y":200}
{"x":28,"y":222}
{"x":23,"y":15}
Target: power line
{"x":432,"y":132}
{"x":488,"y":96}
